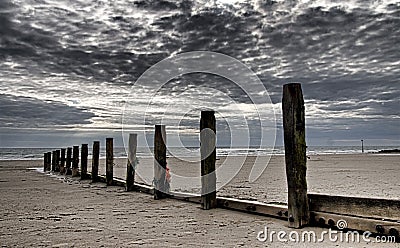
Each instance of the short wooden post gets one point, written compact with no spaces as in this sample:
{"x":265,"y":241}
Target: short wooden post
{"x":109,"y":161}
{"x":208,"y":158}
{"x":160,"y":162}
{"x":62,"y":162}
{"x":75,"y":161}
{"x":53,"y":161}
{"x":45,"y":162}
{"x":295,"y":154}
{"x":95,"y":160}
{"x":131,"y":164}
{"x":48,"y":161}
{"x":57,"y":159}
{"x":68,"y":164}
{"x":84,"y":161}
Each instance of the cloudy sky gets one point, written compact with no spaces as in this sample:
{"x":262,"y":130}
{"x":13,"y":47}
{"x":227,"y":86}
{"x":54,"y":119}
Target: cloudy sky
{"x":68,"y":68}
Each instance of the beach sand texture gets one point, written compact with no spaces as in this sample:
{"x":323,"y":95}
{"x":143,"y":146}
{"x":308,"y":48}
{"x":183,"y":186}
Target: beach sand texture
{"x":363,"y":175}
{"x":41,"y":210}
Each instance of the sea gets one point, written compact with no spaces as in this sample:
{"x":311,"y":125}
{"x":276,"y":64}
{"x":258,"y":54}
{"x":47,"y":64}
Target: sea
{"x":120,"y":152}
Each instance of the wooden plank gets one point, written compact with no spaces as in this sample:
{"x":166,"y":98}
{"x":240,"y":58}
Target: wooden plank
{"x":109,"y":161}
{"x":208,"y":158}
{"x":68,"y":161}
{"x":295,"y":154}
{"x":131,"y":163}
{"x":161,"y":187}
{"x":254,"y":207}
{"x":95,"y":160}
{"x":356,"y":206}
{"x":75,"y":161}
{"x":355,"y":223}
{"x":188,"y":197}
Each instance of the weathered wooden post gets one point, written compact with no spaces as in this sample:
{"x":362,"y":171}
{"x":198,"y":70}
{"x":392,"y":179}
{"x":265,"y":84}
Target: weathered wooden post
{"x":160,"y":163}
{"x":68,"y":165}
{"x":62,"y":162}
{"x":45,"y":162}
{"x":75,"y":161}
{"x":53,"y":161}
{"x":362,"y":146}
{"x":208,"y":158}
{"x":295,"y":154}
{"x":57,"y":167}
{"x":109,"y":161}
{"x":95,"y":160}
{"x":48,"y":161}
{"x":131,"y":164}
{"x":84,"y":161}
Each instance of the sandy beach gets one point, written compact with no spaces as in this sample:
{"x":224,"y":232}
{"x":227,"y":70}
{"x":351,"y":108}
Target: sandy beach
{"x":40,"y":210}
{"x":363,"y":175}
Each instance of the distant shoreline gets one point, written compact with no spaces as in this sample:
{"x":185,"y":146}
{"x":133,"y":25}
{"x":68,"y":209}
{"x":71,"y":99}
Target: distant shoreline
{"x":389,"y":151}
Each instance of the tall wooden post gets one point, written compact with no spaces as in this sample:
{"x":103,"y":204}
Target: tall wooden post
{"x":109,"y":161}
{"x":75,"y":161}
{"x":62,"y":162}
{"x":95,"y":160}
{"x":53,"y":161}
{"x":160,"y":163}
{"x":131,"y":164}
{"x":48,"y":161}
{"x":362,"y":146}
{"x":208,"y":157}
{"x":84,"y":161}
{"x":57,"y":167}
{"x":68,"y":164}
{"x":295,"y":154}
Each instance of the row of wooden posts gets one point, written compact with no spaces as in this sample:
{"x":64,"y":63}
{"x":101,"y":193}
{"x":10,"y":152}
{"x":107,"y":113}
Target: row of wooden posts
{"x":66,"y":162}
{"x":375,"y":215}
{"x":295,"y":155}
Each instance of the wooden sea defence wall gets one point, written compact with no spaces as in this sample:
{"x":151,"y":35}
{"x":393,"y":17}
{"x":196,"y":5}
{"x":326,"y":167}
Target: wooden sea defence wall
{"x":380,"y":216}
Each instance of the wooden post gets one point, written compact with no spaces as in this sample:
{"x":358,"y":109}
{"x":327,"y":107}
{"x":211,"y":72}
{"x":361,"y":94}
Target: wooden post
{"x":53,"y":161}
{"x":208,"y":158}
{"x":160,"y":162}
{"x":62,"y":162}
{"x":131,"y":164}
{"x":68,"y":164}
{"x":109,"y":161}
{"x":362,"y":146}
{"x":57,"y":159}
{"x":45,"y":162}
{"x":48,"y":161}
{"x":95,"y":160}
{"x":75,"y":161}
{"x":295,"y":155}
{"x":84,"y":161}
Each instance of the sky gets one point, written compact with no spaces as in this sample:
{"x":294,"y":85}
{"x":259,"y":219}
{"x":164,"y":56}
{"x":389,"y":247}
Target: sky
{"x":70,"y":70}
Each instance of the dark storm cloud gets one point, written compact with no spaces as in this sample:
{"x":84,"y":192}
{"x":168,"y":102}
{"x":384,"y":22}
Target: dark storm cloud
{"x":346,"y":58}
{"x":26,"y":112}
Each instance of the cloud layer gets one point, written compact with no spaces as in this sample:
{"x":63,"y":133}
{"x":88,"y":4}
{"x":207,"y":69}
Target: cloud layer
{"x":65,"y":56}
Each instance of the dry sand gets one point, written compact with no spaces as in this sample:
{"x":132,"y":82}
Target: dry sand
{"x":40,"y":210}
{"x":364,"y":175}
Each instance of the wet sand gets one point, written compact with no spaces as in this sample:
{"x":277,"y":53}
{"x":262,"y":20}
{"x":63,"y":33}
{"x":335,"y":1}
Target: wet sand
{"x":41,"y":210}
